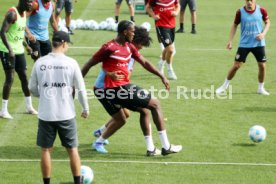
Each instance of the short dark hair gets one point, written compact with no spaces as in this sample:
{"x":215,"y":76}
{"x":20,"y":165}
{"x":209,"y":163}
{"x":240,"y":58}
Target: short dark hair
{"x":124,"y":25}
{"x":141,"y":37}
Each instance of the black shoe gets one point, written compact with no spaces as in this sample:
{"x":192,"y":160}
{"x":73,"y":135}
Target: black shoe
{"x":172,"y":149}
{"x":155,"y":152}
{"x":193,"y":31}
{"x":70,"y":31}
{"x":180,"y":31}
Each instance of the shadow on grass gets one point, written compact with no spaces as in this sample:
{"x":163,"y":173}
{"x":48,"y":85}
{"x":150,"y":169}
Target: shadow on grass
{"x":244,"y":144}
{"x":260,"y":109}
{"x":59,"y":152}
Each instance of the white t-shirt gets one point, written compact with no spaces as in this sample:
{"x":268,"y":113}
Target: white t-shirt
{"x":53,"y":77}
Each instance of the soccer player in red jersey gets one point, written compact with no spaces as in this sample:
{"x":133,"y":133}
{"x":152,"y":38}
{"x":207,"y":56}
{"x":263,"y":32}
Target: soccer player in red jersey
{"x":119,"y":93}
{"x":164,"y":13}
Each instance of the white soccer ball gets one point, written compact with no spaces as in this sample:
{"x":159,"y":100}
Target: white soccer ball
{"x":102,"y":25}
{"x":73,"y":25}
{"x":257,"y":133}
{"x":79,"y":24}
{"x":146,"y":25}
{"x":110,"y":20}
{"x":93,"y":25}
{"x":87,"y":175}
{"x":115,"y":27}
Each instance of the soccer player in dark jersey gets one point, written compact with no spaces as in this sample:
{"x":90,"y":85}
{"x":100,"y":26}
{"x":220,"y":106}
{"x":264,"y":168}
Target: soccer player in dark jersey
{"x":12,"y":54}
{"x":120,"y":93}
{"x":251,"y":18}
{"x":164,"y":12}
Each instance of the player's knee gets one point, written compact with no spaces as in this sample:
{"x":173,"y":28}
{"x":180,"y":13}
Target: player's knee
{"x":154,"y":104}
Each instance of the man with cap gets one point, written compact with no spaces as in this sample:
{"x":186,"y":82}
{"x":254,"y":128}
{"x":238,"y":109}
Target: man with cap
{"x":53,"y":78}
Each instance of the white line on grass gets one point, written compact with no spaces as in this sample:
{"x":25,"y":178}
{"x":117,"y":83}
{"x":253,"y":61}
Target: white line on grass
{"x":147,"y":162}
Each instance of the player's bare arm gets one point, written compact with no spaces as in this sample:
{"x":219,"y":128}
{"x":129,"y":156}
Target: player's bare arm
{"x":9,"y":19}
{"x":266,"y":28}
{"x":149,"y":67}
{"x":86,"y":67}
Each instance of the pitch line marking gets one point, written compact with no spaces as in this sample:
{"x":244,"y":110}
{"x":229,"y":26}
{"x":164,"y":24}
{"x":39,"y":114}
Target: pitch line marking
{"x":148,"y":162}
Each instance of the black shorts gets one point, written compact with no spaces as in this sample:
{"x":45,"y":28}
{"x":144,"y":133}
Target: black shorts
{"x":165,"y":35}
{"x":258,"y":52}
{"x":42,"y":47}
{"x":47,"y":131}
{"x":18,"y":64}
{"x":190,"y":3}
{"x":67,"y":4}
{"x":127,"y":96}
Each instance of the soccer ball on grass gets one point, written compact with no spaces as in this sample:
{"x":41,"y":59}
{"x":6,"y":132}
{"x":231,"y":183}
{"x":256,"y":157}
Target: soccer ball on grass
{"x":257,"y":133}
{"x":87,"y":175}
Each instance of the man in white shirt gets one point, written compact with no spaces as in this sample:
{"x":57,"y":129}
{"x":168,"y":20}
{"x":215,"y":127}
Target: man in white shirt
{"x":53,"y":78}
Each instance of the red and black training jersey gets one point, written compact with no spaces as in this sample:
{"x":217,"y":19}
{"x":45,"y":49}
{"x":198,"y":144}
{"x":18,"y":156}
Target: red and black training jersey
{"x":116,"y":57}
{"x":164,"y":9}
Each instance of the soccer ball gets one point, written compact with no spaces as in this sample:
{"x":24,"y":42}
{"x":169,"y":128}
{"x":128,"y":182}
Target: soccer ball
{"x":87,"y":175}
{"x":146,"y":25}
{"x":257,"y":133}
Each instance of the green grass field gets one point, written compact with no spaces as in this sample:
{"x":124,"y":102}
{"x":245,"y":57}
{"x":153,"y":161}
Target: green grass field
{"x":213,"y":132}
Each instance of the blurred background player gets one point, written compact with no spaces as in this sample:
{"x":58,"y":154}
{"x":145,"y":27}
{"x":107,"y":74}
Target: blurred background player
{"x":37,"y":27}
{"x":118,"y":6}
{"x":164,"y":13}
{"x":192,"y":7}
{"x":12,"y":54}
{"x":252,"y":39}
{"x":68,"y":6}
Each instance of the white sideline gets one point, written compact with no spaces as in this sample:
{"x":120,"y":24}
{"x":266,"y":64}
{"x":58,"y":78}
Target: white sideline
{"x":147,"y":162}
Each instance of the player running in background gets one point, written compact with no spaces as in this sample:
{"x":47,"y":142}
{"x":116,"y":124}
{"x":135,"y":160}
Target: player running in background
{"x":115,"y":56}
{"x":141,"y":39}
{"x":12,"y":54}
{"x":37,"y":27}
{"x":252,"y":39}
{"x":164,"y":13}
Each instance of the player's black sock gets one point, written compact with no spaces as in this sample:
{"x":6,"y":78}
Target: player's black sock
{"x":46,"y":180}
{"x":181,"y":25}
{"x":193,"y":26}
{"x":116,"y":19}
{"x":132,"y":18}
{"x":77,"y":179}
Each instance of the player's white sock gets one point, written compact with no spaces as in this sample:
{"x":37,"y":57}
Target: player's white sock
{"x":226,"y":82}
{"x":100,"y":139}
{"x":4,"y":105}
{"x":169,"y":66}
{"x":261,"y":85}
{"x":164,"y":139}
{"x":28,"y":101}
{"x":149,"y":143}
